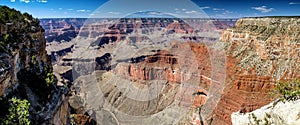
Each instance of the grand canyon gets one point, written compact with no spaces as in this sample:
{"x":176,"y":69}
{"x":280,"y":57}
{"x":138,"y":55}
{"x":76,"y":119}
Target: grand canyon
{"x":152,"y":71}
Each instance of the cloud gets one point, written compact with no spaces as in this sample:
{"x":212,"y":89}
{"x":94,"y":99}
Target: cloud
{"x":219,"y":16}
{"x":43,"y":1}
{"x":12,"y":0}
{"x":227,"y":11}
{"x":217,"y":9}
{"x":189,"y":12}
{"x":28,"y":1}
{"x":263,"y":9}
{"x":81,"y":10}
{"x":60,"y":8}
{"x":70,"y":9}
{"x":172,"y":14}
{"x":154,"y":13}
{"x":294,"y":3}
{"x":205,"y":7}
{"x":25,"y":1}
{"x":114,"y":13}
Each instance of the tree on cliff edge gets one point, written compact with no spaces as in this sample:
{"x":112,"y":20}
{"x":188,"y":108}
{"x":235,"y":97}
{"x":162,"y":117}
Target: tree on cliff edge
{"x":18,"y":112}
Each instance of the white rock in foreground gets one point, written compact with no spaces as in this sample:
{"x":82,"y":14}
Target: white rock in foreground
{"x":287,"y":113}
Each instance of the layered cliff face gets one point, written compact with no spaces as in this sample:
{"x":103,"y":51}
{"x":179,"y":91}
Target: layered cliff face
{"x":61,"y":30}
{"x":25,"y":68}
{"x":151,"y":89}
{"x":23,"y":47}
{"x":145,"y":71}
{"x":260,"y":51}
{"x":60,"y":36}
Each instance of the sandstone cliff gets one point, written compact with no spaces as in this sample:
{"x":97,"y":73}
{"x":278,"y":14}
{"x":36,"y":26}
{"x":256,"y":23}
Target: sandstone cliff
{"x":260,"y":51}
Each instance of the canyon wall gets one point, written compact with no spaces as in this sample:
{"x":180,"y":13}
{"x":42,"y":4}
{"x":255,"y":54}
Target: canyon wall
{"x":25,"y":67}
{"x":260,"y":51}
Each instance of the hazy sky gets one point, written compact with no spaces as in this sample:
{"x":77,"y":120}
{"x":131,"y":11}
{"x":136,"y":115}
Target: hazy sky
{"x":185,"y":8}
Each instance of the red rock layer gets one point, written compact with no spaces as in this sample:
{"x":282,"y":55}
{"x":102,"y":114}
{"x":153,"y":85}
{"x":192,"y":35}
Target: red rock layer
{"x":249,"y":92}
{"x":165,"y":65}
{"x":260,"y":51}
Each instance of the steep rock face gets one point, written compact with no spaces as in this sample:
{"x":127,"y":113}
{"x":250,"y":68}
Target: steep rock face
{"x":27,"y":54}
{"x":26,"y":70}
{"x":166,"y":65}
{"x":156,"y":66}
{"x":248,"y":93}
{"x":260,"y":51}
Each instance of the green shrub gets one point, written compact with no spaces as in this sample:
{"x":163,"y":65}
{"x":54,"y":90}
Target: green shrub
{"x":18,"y":112}
{"x":73,"y":119}
{"x":288,"y":91}
{"x":48,"y":75}
{"x":33,"y":59}
{"x":49,"y":79}
{"x":6,"y":37}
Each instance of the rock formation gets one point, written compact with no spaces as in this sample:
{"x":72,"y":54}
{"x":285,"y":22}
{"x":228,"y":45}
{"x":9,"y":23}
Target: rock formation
{"x":260,"y":51}
{"x":25,"y":68}
{"x":61,"y":30}
{"x":110,"y":90}
{"x":278,"y":114}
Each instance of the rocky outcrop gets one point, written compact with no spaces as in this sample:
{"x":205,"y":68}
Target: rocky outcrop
{"x":249,"y":92}
{"x":260,"y":51}
{"x":160,"y":66}
{"x":151,"y":81}
{"x":26,"y":70}
{"x":165,"y":65}
{"x":103,"y":62}
{"x":280,"y":113}
{"x":26,"y":52}
{"x":153,"y":84}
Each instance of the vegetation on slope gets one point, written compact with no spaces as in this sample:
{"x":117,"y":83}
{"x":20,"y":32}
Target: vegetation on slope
{"x":22,"y":34}
{"x":13,"y":25}
{"x":289,"y":90}
{"x":18,"y":112}
{"x":24,"y":21}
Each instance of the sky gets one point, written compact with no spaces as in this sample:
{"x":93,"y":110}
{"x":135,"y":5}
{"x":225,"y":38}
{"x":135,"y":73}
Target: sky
{"x":177,"y":8}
